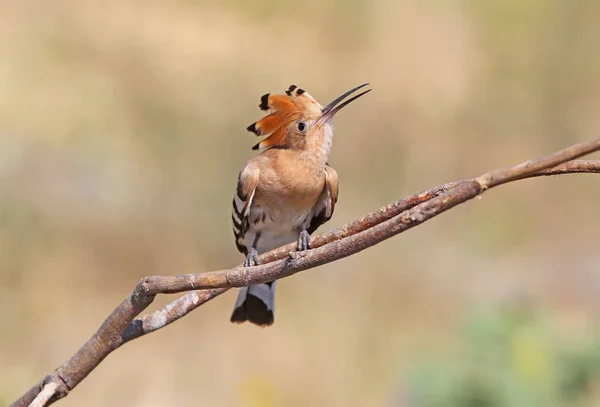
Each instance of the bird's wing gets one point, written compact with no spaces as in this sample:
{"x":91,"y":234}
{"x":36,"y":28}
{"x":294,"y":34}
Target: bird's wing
{"x":323,"y":209}
{"x":242,"y":200}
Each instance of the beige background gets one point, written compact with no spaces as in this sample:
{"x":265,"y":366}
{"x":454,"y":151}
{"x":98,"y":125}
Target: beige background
{"x":122,"y":130}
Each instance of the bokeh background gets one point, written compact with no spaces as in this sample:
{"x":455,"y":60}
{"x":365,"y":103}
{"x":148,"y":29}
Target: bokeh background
{"x":122,"y":131}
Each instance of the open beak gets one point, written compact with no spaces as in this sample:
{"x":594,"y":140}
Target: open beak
{"x":331,"y":109}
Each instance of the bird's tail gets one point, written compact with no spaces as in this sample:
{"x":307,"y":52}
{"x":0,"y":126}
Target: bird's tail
{"x":255,"y":304}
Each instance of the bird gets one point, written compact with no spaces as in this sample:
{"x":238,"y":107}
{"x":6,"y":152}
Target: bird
{"x":288,"y":190}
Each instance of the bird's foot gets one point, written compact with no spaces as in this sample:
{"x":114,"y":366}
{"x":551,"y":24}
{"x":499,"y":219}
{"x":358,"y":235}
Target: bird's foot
{"x":251,"y":258}
{"x":303,"y":241}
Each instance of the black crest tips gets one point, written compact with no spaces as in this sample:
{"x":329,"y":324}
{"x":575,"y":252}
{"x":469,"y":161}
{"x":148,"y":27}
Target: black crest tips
{"x":264,"y":102}
{"x":256,"y":146}
{"x":300,"y":91}
{"x":253,"y":129}
{"x":290,"y":90}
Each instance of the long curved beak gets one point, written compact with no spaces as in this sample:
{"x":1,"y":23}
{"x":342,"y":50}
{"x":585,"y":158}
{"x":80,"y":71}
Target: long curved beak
{"x":331,"y":109}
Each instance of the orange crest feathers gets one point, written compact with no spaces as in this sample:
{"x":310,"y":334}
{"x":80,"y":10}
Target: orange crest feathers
{"x":285,"y":108}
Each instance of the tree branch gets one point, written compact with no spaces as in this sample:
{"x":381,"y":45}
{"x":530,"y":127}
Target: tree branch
{"x":45,"y":395}
{"x":571,"y":167}
{"x":122,"y":326}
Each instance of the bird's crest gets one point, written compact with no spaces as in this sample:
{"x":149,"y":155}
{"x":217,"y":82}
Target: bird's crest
{"x":286,"y":108}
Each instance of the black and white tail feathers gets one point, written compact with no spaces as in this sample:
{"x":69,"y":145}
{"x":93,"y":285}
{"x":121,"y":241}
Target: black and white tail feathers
{"x":255,"y":304}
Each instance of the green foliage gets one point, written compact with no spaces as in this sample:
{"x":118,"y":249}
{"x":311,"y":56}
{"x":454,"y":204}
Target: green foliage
{"x":513,"y":358}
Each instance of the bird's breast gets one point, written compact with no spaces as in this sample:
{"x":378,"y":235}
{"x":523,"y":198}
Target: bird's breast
{"x":294,"y":187}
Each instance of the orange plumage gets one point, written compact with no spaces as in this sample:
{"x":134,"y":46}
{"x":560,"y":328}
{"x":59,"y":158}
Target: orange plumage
{"x":287,"y":108}
{"x":288,"y":190}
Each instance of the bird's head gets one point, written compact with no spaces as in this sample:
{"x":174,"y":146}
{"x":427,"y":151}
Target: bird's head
{"x":297,"y":120}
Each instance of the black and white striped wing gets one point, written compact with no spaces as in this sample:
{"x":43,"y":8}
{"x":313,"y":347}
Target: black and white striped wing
{"x":242,"y":203}
{"x":323,"y":210}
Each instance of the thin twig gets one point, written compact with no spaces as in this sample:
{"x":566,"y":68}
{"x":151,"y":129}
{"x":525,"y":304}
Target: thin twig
{"x":45,"y":395}
{"x":571,"y":167}
{"x":182,"y":306}
{"x":122,"y":325}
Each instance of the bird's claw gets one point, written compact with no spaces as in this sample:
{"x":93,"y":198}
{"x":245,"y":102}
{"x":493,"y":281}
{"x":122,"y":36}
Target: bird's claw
{"x":303,"y":241}
{"x":251,"y":258}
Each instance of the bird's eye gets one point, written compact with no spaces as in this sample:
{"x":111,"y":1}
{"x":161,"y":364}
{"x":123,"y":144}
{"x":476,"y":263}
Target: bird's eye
{"x":301,"y":127}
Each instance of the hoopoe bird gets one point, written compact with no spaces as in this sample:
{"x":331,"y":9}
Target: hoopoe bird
{"x":287,"y":191}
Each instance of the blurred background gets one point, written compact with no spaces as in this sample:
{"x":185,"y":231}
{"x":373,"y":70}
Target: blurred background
{"x":122,"y":131}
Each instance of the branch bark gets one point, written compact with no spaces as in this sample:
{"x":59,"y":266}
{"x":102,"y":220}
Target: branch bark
{"x":122,"y":326}
{"x":45,"y":395}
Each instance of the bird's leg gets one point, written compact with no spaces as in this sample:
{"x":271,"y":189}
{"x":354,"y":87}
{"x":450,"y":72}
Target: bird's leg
{"x":303,"y":241}
{"x":251,"y":258}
